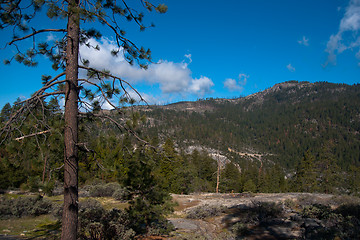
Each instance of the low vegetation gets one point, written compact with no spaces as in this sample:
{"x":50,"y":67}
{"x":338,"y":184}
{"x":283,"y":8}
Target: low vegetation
{"x":205,"y":211}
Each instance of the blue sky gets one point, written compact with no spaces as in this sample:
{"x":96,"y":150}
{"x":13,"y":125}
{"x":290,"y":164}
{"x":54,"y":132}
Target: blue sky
{"x":223,"y":49}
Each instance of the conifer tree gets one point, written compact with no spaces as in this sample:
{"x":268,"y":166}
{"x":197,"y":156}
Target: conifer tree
{"x":328,"y":168}
{"x":5,"y":113}
{"x":18,"y":18}
{"x":305,"y":177}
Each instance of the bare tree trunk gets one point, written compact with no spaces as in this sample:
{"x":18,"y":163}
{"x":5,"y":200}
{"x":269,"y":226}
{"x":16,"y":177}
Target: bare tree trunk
{"x":218,"y":175}
{"x":44,"y":170}
{"x":70,"y":211}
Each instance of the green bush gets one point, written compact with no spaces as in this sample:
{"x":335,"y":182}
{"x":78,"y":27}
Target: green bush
{"x":57,"y":211}
{"x":5,"y":207}
{"x":318,"y":211}
{"x":341,"y":223}
{"x":43,"y":206}
{"x":239,"y":229}
{"x":121,"y":194}
{"x":24,"y":206}
{"x":90,"y":214}
{"x":289,"y":203}
{"x":48,"y":188}
{"x":106,"y":190}
{"x":97,"y":223}
{"x":205,"y":211}
{"x":116,"y":222}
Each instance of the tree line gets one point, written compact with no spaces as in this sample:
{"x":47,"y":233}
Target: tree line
{"x":36,"y":161}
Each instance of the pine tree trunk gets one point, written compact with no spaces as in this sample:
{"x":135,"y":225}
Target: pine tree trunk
{"x":70,"y":211}
{"x":218,"y":175}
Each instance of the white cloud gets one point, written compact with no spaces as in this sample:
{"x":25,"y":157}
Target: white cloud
{"x":172,"y":77}
{"x":201,"y":86}
{"x":348,"y":35}
{"x":351,"y":19}
{"x":50,"y":37}
{"x":188,"y":56}
{"x":290,"y":67}
{"x":233,"y":85}
{"x":304,"y":41}
{"x":106,"y":105}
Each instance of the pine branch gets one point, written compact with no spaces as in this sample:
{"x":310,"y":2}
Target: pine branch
{"x":35,"y":33}
{"x":101,"y":90}
{"x":116,"y":78}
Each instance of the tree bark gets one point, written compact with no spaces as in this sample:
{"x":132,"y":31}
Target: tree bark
{"x":70,"y":211}
{"x":218,"y":175}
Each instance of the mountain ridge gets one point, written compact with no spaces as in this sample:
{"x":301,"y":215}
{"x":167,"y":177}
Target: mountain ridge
{"x":282,"y":122}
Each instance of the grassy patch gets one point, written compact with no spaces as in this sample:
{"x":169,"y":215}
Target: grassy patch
{"x":108,"y":203}
{"x":25,"y":226}
{"x":56,"y":199}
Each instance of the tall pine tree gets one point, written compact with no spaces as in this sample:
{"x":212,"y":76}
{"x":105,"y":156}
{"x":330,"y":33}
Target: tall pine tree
{"x":17,"y":17}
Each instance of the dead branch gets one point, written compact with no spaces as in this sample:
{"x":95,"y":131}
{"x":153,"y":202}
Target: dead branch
{"x":33,"y":134}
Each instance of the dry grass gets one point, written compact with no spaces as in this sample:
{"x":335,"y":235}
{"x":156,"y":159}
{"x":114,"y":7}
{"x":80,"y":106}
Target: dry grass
{"x":110,"y":203}
{"x":25,"y":226}
{"x":183,"y":202}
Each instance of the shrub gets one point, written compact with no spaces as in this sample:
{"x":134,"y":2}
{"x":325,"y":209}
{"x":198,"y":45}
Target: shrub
{"x":116,"y":222}
{"x":90,"y":213}
{"x":318,"y":211}
{"x":106,"y":190}
{"x":5,"y":207}
{"x":24,"y":206}
{"x":239,"y":229}
{"x":205,"y":211}
{"x":57,"y":211}
{"x":97,"y":223}
{"x":161,"y":227}
{"x":266,"y":210}
{"x":43,"y":206}
{"x":48,"y":188}
{"x":121,"y":194}
{"x":289,"y":203}
{"x":32,"y":184}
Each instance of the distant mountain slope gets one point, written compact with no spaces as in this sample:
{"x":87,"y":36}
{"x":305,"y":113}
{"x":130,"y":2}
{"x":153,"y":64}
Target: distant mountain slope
{"x":280,"y":123}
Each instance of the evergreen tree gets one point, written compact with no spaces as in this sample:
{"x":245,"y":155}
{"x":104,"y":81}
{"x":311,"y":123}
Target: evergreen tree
{"x":17,"y":16}
{"x":148,"y":205}
{"x":231,"y":178}
{"x":249,"y":186}
{"x":305,"y":176}
{"x":328,"y":170}
{"x":5,"y":113}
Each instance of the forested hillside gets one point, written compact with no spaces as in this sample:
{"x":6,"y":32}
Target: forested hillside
{"x":282,"y":122}
{"x":275,"y":127}
{"x":295,"y":136}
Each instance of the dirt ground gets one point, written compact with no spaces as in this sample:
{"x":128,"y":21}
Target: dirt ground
{"x":216,"y":228}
